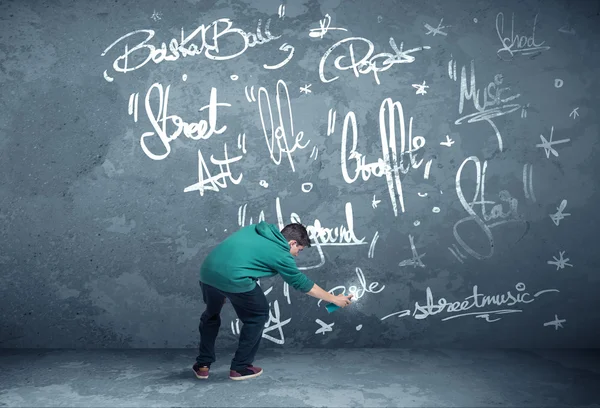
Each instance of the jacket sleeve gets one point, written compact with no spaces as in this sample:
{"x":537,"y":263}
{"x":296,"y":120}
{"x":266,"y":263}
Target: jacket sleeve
{"x":287,"y":268}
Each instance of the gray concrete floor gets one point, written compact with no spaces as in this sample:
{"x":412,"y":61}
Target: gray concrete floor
{"x":303,"y":378}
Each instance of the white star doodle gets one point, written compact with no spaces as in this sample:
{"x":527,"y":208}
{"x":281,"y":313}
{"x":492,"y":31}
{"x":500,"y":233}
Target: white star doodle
{"x":416,"y":259}
{"x":449,"y":142}
{"x":574,"y":113}
{"x":420,"y":88}
{"x":324,"y":327}
{"x":305,"y":89}
{"x":556,"y":322}
{"x":156,"y":16}
{"x":437,"y":30}
{"x":547,"y":144}
{"x":560,"y":262}
{"x":559,"y":215}
{"x":375,"y":202}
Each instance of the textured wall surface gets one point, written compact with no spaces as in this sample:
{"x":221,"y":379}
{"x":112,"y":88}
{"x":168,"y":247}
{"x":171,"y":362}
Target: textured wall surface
{"x":443,"y":154}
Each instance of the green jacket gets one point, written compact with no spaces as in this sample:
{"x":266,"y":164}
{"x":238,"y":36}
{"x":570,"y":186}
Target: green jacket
{"x":253,"y":252}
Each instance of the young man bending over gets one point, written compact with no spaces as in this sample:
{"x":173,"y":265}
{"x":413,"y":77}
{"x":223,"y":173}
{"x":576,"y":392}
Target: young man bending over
{"x":231,"y":270}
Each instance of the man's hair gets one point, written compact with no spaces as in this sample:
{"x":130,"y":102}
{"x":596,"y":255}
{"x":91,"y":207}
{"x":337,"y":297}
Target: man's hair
{"x":296,"y":232}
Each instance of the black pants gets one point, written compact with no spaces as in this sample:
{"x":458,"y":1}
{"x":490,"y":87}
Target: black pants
{"x":252,"y":308}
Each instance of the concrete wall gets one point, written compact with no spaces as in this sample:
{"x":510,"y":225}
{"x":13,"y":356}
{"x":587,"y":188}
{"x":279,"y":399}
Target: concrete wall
{"x":443,"y":154}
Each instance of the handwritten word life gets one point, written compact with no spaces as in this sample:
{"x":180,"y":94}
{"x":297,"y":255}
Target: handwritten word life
{"x":369,"y":62}
{"x":475,"y":301}
{"x":209,"y":40}
{"x":275,"y":133}
{"x":516,"y":43}
{"x":162,"y":122}
{"x":355,"y":290}
{"x":392,"y":162}
{"x":496,"y":215}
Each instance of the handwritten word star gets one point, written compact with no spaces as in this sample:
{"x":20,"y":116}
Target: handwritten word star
{"x":449,"y":142}
{"x":305,"y":89}
{"x":559,"y":215}
{"x":324,"y":327}
{"x":437,"y":30}
{"x":574,"y":113}
{"x":375,"y":202}
{"x":560,"y":262}
{"x":556,"y":322}
{"x":420,"y":88}
{"x":547,"y":144}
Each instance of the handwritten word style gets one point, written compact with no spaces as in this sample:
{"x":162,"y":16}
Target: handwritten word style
{"x":369,"y":63}
{"x":162,"y":122}
{"x":355,"y":290}
{"x":211,"y":37}
{"x":475,"y":301}
{"x":392,"y":163}
{"x":496,"y":216}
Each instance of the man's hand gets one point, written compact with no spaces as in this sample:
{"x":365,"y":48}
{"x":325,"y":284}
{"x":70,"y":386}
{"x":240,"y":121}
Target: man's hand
{"x":341,"y":300}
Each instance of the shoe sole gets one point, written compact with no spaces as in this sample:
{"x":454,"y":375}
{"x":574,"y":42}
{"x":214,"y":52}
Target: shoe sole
{"x":246,"y":377}
{"x":199,"y":376}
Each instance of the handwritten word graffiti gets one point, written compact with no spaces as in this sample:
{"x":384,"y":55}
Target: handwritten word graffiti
{"x":475,"y":301}
{"x":212,"y":39}
{"x":494,"y":104}
{"x":517,"y":43}
{"x":392,"y":162}
{"x":497,"y":215}
{"x":206,"y":181}
{"x":169,"y":127}
{"x":319,"y":235}
{"x":325,"y":26}
{"x":276,"y":136}
{"x":355,"y":290}
{"x":368,"y":63}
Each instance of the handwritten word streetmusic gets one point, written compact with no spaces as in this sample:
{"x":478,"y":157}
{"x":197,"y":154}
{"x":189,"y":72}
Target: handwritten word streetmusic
{"x":496,"y":216}
{"x":369,"y":62}
{"x":319,"y":235}
{"x":494,"y":103}
{"x":355,"y":290}
{"x":210,"y":40}
{"x":169,"y":127}
{"x":277,"y":140}
{"x":475,"y":301}
{"x":516,"y":43}
{"x":392,"y":162}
